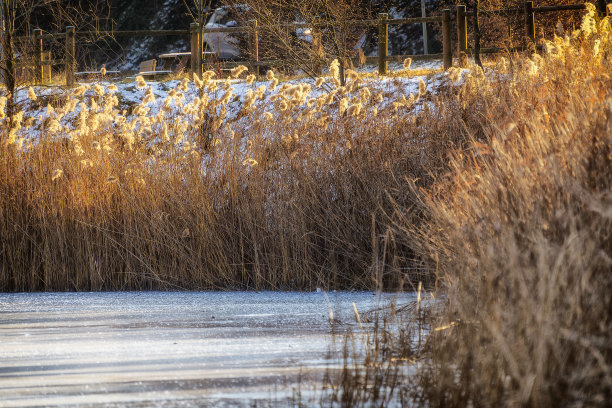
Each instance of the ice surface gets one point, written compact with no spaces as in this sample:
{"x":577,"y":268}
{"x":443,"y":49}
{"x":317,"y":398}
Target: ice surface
{"x":169,"y":348}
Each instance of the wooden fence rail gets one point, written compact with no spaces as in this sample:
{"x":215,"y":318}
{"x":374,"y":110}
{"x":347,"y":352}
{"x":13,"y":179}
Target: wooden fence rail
{"x":516,"y":10}
{"x":253,"y":29}
{"x":529,"y":20}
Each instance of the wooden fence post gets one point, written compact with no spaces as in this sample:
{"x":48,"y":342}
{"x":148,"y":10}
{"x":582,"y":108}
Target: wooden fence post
{"x":69,"y":56}
{"x":477,"y":36}
{"x":383,"y":42}
{"x":196,"y":49}
{"x":461,"y":30}
{"x":530,"y":21}
{"x":447,"y":48}
{"x":254,"y":47}
{"x":46,"y":67}
{"x":38,"y":55}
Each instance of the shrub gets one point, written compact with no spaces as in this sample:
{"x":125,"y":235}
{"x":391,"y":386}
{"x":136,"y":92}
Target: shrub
{"x":520,"y":232}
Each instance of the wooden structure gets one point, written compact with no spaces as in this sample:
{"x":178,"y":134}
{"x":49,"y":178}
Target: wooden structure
{"x":96,"y":74}
{"x":254,"y":47}
{"x":147,"y":69}
{"x":196,"y":56}
{"x":70,"y":55}
{"x":170,"y":59}
{"x":196,"y":49}
{"x":529,"y":12}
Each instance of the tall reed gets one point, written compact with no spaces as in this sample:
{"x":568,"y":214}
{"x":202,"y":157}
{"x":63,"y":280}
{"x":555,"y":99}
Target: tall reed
{"x":284,"y":187}
{"x":518,"y":230}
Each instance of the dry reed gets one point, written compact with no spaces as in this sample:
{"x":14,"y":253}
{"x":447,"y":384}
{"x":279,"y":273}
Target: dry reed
{"x":286,"y":193}
{"x":518,"y":230}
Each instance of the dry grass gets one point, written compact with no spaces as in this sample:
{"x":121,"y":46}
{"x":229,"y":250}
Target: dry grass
{"x":292,"y":193}
{"x":379,"y":356}
{"x":519,"y":232}
{"x":516,"y":222}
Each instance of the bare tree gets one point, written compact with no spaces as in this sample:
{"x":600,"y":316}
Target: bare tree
{"x":329,"y":31}
{"x":198,"y":10}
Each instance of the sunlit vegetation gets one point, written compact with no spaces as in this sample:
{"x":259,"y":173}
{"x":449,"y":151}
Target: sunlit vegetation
{"x":518,"y":230}
{"x":494,"y":191}
{"x":289,"y":185}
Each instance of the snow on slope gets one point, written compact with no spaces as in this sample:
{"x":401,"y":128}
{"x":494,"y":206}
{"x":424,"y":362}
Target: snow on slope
{"x":130,"y":95}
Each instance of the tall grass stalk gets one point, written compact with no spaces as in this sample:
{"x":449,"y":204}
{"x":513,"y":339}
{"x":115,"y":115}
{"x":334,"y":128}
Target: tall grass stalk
{"x":518,"y":230}
{"x":290,"y":191}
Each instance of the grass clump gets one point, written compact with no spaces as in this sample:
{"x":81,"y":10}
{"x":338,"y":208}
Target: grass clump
{"x":518,"y":230}
{"x":280,"y":186}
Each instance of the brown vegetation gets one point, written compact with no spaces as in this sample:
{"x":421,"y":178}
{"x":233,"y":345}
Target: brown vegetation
{"x":292,"y":194}
{"x":519,"y":231}
{"x":501,"y":184}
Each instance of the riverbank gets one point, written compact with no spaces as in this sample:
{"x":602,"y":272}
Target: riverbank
{"x":495,"y":188}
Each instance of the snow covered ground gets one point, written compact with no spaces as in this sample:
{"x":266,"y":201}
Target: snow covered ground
{"x":130,"y":94}
{"x":170,"y":348}
{"x":118,"y":106}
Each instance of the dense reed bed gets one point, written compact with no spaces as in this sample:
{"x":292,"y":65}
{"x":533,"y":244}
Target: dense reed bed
{"x":519,"y":232}
{"x":279,"y":186}
{"x":496,"y":188}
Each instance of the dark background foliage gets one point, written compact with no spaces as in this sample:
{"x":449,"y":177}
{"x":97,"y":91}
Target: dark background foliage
{"x":126,"y":53}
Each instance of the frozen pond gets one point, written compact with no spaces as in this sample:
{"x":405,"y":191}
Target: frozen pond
{"x":168,"y":348}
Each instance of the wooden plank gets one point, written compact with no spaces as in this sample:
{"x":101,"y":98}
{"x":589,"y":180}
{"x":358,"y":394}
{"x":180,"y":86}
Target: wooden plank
{"x":84,"y":73}
{"x":415,"y":20}
{"x":401,"y":58}
{"x":195,"y":46}
{"x":43,"y":36}
{"x":543,"y":9}
{"x":37,"y":45}
{"x":46,"y":67}
{"x":147,"y":66}
{"x":184,"y":54}
{"x":461,"y":29}
{"x":56,"y":36}
{"x":175,"y":54}
{"x":254,"y":47}
{"x":154,"y":73}
{"x":151,"y":33}
{"x":529,"y":21}
{"x":447,"y":49}
{"x":133,"y":33}
{"x":547,"y":9}
{"x":70,"y":56}
{"x":370,"y":60}
{"x":495,"y":12}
